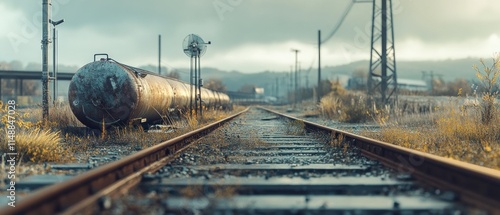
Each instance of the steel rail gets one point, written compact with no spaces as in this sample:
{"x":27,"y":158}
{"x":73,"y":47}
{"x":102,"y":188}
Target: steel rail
{"x":476,"y":185}
{"x":84,"y":192}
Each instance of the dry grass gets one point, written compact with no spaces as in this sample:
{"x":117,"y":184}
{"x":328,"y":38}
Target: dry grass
{"x":295,"y":127}
{"x":336,"y":140}
{"x":457,"y":135}
{"x":41,"y":146}
{"x":136,"y":137}
{"x":224,"y":191}
{"x":460,"y":128}
{"x":219,"y":191}
{"x":345,"y":106}
{"x":63,"y":117}
{"x":32,"y":142}
{"x":192,"y":192}
{"x":62,"y":137}
{"x":253,"y":141}
{"x":466,"y":131}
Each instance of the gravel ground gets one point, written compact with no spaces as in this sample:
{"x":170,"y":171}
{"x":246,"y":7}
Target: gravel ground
{"x":219,"y":148}
{"x":96,"y":153}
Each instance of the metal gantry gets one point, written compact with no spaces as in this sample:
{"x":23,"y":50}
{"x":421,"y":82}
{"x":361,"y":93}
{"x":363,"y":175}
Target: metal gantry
{"x":382,"y":81}
{"x":194,"y":47}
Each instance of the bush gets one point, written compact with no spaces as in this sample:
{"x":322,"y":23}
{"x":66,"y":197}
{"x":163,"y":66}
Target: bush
{"x":37,"y":145}
{"x":345,"y":108}
{"x":488,"y":79}
{"x":454,"y":135}
{"x":461,"y":131}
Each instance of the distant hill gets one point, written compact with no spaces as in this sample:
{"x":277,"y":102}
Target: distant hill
{"x":448,"y":69}
{"x":234,"y":80}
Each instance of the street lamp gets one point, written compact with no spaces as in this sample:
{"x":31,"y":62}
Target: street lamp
{"x":54,"y":46}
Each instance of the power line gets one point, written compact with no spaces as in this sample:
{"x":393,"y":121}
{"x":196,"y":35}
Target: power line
{"x":342,"y":18}
{"x":339,"y":23}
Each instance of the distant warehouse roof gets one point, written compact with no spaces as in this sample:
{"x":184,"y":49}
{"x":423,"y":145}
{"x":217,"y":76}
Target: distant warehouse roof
{"x":412,"y":84}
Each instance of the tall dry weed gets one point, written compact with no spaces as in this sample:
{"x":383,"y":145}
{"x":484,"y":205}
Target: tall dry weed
{"x":488,"y":78}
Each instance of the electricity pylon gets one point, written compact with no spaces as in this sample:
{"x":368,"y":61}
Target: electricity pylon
{"x":383,"y":79}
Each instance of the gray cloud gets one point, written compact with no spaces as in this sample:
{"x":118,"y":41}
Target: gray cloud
{"x":129,"y":28}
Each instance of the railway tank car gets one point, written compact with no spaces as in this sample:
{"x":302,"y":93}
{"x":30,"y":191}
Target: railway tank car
{"x":108,"y":93}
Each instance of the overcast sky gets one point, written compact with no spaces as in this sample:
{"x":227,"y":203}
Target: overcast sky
{"x":246,"y":35}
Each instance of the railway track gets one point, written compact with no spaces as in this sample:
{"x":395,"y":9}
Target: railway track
{"x":261,"y":163}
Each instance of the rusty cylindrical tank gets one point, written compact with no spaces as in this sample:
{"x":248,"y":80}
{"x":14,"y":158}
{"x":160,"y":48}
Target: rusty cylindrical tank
{"x":109,"y":93}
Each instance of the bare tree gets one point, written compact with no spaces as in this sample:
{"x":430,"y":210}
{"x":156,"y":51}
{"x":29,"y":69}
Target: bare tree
{"x":489,"y":82}
{"x":174,"y":74}
{"x":248,"y":88}
{"x":215,"y":85}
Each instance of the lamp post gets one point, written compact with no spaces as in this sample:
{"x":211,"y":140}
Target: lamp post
{"x":54,"y":56}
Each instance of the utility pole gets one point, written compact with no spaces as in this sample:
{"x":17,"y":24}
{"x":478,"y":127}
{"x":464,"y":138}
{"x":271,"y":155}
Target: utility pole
{"x":382,"y":78}
{"x":159,"y":54}
{"x":307,"y":77}
{"x":277,"y":87}
{"x":431,"y":79}
{"x":46,"y":4}
{"x":285,"y":85}
{"x":296,"y":74}
{"x":318,"y":93}
{"x":290,"y":86}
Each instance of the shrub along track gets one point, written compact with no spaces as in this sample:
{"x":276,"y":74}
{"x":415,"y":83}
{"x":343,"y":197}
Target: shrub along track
{"x":260,"y":163}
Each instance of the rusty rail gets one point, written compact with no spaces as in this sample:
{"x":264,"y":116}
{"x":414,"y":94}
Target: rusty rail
{"x":475,"y":185}
{"x":87,"y":190}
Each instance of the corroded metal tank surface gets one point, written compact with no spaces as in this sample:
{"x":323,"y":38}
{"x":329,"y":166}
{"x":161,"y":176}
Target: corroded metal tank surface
{"x":109,"y":93}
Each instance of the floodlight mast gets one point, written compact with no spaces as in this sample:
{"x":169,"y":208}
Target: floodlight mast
{"x":194,"y":47}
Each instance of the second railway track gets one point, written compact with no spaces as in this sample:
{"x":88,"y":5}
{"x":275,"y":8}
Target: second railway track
{"x":261,"y":163}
